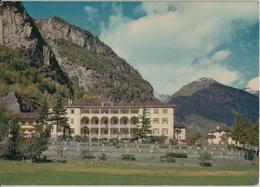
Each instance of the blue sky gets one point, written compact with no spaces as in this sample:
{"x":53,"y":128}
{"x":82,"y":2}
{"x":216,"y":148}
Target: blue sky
{"x":170,"y":43}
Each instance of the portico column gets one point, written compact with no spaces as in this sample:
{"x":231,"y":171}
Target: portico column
{"x":99,"y":132}
{"x":109,"y":131}
{"x":129,"y":132}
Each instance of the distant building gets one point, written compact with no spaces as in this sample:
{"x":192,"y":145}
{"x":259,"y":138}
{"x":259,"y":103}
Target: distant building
{"x":220,"y":135}
{"x":179,"y":132}
{"x":27,"y":122}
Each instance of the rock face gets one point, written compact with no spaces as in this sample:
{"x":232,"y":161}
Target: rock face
{"x":11,"y":103}
{"x":205,"y":103}
{"x":93,"y":64}
{"x":71,"y":56}
{"x":18,"y":31}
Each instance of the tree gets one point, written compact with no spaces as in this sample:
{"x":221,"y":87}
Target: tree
{"x":246,"y":133}
{"x":32,"y":148}
{"x":9,"y":133}
{"x":59,"y":117}
{"x":144,"y":127}
{"x":237,"y":128}
{"x":192,"y":136}
{"x":42,"y":124}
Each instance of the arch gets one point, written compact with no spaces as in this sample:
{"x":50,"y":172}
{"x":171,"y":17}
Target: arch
{"x":84,"y":121}
{"x":94,"y":120}
{"x":124,"y":120}
{"x":114,"y":120}
{"x":134,"y":120}
{"x":104,"y":120}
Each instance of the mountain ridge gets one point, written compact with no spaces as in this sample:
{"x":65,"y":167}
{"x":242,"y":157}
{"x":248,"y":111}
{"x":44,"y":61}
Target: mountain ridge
{"x":203,"y":104}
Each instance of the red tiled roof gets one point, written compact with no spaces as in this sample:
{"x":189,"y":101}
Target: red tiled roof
{"x":221,"y":129}
{"x":27,"y":115}
{"x":179,"y":125}
{"x":82,"y":104}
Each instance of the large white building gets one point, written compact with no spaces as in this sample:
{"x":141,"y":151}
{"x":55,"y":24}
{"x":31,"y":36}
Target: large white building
{"x":114,"y":120}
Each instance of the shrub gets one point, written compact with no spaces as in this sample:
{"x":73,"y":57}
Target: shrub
{"x":231,"y":146}
{"x":164,"y":146}
{"x":86,"y":155}
{"x":84,"y":139}
{"x":204,"y":159}
{"x":102,"y":157}
{"x":103,"y":140}
{"x":177,"y":155}
{"x":128,"y":157}
{"x":122,"y":140}
{"x":170,"y":159}
{"x":167,"y":158}
{"x":94,"y":139}
{"x":249,"y":155}
{"x":173,"y":142}
{"x":77,"y":138}
{"x":206,"y":164}
{"x":158,"y":139}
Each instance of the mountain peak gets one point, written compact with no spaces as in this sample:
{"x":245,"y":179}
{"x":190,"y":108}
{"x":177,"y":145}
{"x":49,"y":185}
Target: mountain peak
{"x":207,"y":80}
{"x":191,"y":88}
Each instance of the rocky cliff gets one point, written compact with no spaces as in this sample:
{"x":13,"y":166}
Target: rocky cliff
{"x":93,"y":64}
{"x":67,"y":59}
{"x":205,"y":103}
{"x":18,"y":31}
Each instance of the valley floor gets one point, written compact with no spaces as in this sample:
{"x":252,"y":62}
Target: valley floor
{"x":124,"y":173}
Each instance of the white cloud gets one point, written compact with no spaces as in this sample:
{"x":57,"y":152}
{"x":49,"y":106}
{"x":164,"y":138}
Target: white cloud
{"x":91,"y":12}
{"x":163,"y":43}
{"x":220,"y":56}
{"x":253,"y":84}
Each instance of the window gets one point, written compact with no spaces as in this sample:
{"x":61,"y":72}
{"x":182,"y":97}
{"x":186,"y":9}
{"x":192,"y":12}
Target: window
{"x":134,"y":111}
{"x":164,"y":131}
{"x":156,"y":111}
{"x":114,"y":111}
{"x":59,"y":129}
{"x":105,"y":111}
{"x":72,"y":121}
{"x":95,"y":111}
{"x":164,"y":120}
{"x":156,"y":131}
{"x":165,"y":110}
{"x":124,"y":111}
{"x":155,"y":120}
{"x":85,"y":111}
{"x":72,"y":130}
{"x":72,"y":111}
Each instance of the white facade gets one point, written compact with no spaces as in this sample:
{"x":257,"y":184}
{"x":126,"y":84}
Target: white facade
{"x":109,"y":120}
{"x":218,"y":134}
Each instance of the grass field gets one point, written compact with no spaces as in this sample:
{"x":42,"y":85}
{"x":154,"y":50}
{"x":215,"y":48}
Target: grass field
{"x":124,"y":173}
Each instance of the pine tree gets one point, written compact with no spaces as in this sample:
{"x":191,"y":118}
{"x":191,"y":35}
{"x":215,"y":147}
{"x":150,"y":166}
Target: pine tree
{"x":59,"y":116}
{"x":237,"y":128}
{"x":144,"y":127}
{"x":42,"y":124}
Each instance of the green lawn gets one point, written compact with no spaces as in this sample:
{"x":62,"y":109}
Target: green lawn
{"x":124,"y":173}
